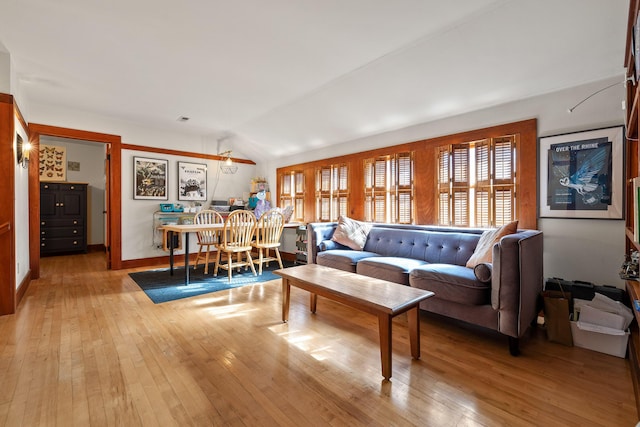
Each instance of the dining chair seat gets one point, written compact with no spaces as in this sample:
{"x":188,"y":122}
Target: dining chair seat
{"x":235,"y":240}
{"x":207,"y":238}
{"x":268,"y":232}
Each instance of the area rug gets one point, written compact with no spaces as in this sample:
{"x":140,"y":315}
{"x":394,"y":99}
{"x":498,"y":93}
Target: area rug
{"x":161,"y":287}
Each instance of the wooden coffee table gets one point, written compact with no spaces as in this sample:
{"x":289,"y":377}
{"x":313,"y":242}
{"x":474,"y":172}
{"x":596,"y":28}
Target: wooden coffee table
{"x":379,"y":297}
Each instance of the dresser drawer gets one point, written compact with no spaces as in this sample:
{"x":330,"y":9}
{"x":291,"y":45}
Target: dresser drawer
{"x":49,"y":232}
{"x":62,"y":244}
{"x":67,"y":222}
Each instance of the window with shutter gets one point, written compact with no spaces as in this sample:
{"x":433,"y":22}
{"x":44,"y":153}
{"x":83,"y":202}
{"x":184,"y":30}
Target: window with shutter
{"x":476,"y":183}
{"x":292,"y":193}
{"x":389,"y":189}
{"x":331,"y":192}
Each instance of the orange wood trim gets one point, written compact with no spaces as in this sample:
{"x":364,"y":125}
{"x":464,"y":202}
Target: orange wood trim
{"x":73,"y":133}
{"x":178,"y":261}
{"x":183,"y":153}
{"x":21,"y":119}
{"x":22,"y":289}
{"x":7,"y":213}
{"x":115,"y":200}
{"x":5,"y":228}
{"x":425,"y":171}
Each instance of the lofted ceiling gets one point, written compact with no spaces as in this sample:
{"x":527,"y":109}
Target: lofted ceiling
{"x":287,"y":76}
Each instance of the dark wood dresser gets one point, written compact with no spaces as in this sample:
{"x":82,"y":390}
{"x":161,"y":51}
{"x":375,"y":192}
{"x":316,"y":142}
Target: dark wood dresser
{"x":63,"y":217}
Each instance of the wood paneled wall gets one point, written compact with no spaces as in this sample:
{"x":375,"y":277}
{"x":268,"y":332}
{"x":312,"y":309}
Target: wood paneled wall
{"x":425,"y":172}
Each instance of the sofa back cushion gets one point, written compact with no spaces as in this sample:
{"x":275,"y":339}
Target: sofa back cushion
{"x":431,"y":246}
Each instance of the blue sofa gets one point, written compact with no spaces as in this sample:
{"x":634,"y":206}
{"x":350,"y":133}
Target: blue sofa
{"x":434,"y":258}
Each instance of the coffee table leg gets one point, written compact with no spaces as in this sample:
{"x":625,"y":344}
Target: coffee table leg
{"x":413,"y":316}
{"x":286,"y":294}
{"x":384,"y":326}
{"x":313,"y":302}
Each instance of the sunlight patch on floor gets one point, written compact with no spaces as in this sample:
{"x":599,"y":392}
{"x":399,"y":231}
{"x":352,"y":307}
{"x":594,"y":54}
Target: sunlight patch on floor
{"x":309,"y":342}
{"x":228,"y":311}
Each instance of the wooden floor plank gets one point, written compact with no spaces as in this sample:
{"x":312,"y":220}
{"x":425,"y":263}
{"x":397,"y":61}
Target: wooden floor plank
{"x":88,"y":347}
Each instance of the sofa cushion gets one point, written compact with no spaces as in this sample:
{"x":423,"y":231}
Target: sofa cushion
{"x":327,"y":245}
{"x":452,"y":283}
{"x":342,"y":259}
{"x":392,"y":269}
{"x":484,"y":249}
{"x":351,"y":233}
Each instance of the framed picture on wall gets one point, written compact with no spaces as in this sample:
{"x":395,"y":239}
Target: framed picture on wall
{"x":581,"y":174}
{"x":150,"y":179}
{"x":192,"y":181}
{"x":53,"y":163}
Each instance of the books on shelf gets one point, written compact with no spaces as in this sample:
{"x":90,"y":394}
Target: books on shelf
{"x":636,"y":209}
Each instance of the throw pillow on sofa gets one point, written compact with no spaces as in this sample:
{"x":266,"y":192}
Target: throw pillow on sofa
{"x":484,"y":249}
{"x":483,"y":272}
{"x":351,"y":233}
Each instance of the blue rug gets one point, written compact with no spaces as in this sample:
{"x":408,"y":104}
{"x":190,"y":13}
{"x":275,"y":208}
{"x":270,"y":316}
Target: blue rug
{"x":161,"y":287}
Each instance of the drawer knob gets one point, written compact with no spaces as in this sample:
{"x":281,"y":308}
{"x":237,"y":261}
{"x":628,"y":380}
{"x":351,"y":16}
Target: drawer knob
{"x":75,"y":231}
{"x":73,"y":188}
{"x":42,"y":223}
{"x":75,"y":242}
{"x":42,"y":244}
{"x":75,"y":222}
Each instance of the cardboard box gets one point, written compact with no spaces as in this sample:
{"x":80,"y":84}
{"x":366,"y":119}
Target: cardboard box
{"x":615,"y":345}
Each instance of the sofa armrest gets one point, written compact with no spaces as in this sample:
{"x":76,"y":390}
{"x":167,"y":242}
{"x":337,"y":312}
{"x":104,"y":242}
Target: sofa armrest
{"x":317,"y":232}
{"x":517,"y":280}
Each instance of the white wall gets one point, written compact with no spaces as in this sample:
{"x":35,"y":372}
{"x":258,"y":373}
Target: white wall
{"x":590,"y":250}
{"x":137,"y":215}
{"x":21,"y":187}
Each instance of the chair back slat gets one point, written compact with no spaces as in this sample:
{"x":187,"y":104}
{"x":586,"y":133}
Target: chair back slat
{"x":208,"y":217}
{"x":239,"y":229}
{"x":270,"y":226}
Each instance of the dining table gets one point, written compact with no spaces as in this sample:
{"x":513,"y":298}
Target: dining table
{"x":187,"y":229}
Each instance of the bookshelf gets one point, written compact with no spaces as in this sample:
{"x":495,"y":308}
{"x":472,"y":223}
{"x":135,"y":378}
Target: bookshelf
{"x":632,"y":168}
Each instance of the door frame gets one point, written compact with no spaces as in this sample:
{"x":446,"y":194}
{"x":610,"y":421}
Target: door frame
{"x":113,"y":172}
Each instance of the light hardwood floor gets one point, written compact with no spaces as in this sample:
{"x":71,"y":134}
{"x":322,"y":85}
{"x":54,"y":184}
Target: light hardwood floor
{"x":87,"y":347}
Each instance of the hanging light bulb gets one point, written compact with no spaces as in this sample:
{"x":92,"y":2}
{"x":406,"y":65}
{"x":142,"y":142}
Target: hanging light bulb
{"x":227,"y":167}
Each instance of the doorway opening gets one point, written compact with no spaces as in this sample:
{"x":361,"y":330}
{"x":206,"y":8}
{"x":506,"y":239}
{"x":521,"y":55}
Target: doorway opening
{"x":101,"y":154}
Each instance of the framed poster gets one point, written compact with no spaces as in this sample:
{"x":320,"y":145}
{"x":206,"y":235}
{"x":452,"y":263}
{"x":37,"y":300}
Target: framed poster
{"x":581,"y":174}
{"x":53,"y":163}
{"x":192,"y":181}
{"x":150,"y":179}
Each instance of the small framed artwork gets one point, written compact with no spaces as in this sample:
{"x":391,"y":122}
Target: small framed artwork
{"x":53,"y":163}
{"x":192,"y":181}
{"x":150,"y":179}
{"x":581,"y":174}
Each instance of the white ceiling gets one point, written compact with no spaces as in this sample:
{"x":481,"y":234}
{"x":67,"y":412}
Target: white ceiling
{"x":290,"y":75}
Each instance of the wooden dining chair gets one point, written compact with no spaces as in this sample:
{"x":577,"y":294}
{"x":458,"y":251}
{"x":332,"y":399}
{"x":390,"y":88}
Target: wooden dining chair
{"x":207,"y":238}
{"x":268,"y":232}
{"x":235,"y":239}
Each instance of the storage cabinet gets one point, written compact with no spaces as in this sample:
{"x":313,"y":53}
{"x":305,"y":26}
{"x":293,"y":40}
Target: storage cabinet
{"x":63,"y":217}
